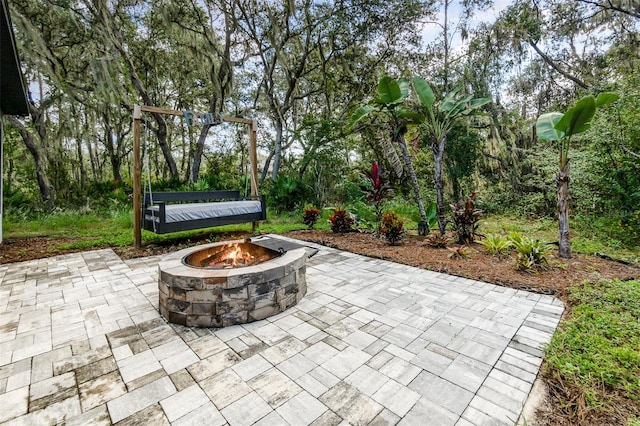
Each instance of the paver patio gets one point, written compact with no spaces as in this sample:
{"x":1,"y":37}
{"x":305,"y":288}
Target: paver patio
{"x":373,"y":342}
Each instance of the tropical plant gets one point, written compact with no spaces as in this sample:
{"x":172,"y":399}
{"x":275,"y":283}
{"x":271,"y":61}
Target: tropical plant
{"x":310,"y":216}
{"x":392,"y":227}
{"x":436,"y":241}
{"x":438,"y":120}
{"x":531,"y":253}
{"x":555,"y":126}
{"x":341,"y":221}
{"x":460,"y":252}
{"x":285,"y":193}
{"x":465,"y":219}
{"x":377,"y":191}
{"x":497,"y":244}
{"x":432,"y":215}
{"x":392,"y":96}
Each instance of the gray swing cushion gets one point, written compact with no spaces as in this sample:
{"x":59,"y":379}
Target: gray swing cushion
{"x":196,"y":211}
{"x":166,"y":212}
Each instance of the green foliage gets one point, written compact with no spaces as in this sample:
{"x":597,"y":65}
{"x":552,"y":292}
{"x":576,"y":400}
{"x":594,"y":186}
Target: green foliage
{"x":464,"y":149}
{"x":436,"y":240}
{"x":531,"y":253}
{"x":596,"y":353}
{"x":497,"y":244}
{"x":392,"y":227}
{"x":310,"y":216}
{"x":432,"y":215}
{"x":286,"y":193}
{"x":341,"y":221}
{"x":631,"y":224}
{"x":466,"y":219}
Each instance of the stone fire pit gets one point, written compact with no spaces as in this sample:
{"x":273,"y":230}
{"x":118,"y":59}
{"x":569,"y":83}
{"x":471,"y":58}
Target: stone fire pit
{"x":203,"y":297}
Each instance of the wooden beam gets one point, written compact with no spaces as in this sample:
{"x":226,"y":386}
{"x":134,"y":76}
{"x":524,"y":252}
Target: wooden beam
{"x":137,"y":184}
{"x":156,"y":110}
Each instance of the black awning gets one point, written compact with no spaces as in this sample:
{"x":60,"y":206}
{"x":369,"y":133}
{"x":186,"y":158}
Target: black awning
{"x":13,"y":98}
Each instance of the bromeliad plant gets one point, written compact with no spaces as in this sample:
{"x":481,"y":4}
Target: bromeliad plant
{"x":497,"y":245}
{"x":555,"y":126}
{"x":377,"y":191}
{"x":465,"y":219}
{"x":531,"y":253}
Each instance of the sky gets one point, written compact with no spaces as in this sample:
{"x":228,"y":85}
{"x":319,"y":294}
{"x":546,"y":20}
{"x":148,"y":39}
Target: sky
{"x":431,"y":30}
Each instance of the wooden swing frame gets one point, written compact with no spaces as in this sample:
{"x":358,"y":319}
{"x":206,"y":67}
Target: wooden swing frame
{"x":137,"y":163}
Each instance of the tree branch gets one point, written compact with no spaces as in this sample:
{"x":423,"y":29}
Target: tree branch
{"x":553,"y":65}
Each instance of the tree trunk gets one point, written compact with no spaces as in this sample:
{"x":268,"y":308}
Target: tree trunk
{"x":46,"y":190}
{"x":197,"y":154}
{"x":562,"y":180}
{"x":398,"y":137}
{"x":438,"y":152}
{"x":277,"y":150}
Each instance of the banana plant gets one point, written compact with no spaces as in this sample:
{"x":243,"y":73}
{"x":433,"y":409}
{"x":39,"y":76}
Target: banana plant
{"x":555,"y":126}
{"x":438,"y":120}
{"x":392,"y":101}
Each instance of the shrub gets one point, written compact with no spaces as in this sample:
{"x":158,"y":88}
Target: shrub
{"x":436,"y":241}
{"x":461,"y":252}
{"x":465,"y":219}
{"x":286,"y":193}
{"x":497,"y":245}
{"x":310,"y":216}
{"x":531,"y":253}
{"x":341,"y":221}
{"x":392,"y":227}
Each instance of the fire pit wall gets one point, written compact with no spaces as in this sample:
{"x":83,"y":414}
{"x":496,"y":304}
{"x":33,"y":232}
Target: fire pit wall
{"x":200,"y":297}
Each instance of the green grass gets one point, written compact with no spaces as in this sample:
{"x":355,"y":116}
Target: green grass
{"x":114,"y":227}
{"x":588,"y":235}
{"x":596,"y":352}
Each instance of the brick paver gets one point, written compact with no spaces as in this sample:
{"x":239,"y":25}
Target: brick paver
{"x":373,"y":342}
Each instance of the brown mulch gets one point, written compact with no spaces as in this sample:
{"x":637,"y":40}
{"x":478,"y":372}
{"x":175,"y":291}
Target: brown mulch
{"x":480,"y":265}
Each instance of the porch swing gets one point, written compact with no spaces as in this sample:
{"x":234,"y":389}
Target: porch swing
{"x":167,"y":212}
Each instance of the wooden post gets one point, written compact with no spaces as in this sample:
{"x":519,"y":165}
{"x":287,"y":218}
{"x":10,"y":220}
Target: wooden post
{"x":253,"y":157}
{"x":137,"y":193}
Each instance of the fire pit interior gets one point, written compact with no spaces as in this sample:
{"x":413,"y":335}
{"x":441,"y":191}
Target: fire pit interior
{"x":222,"y":284}
{"x":232,"y":255}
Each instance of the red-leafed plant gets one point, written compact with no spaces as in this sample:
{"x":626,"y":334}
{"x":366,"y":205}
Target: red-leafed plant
{"x":392,"y":227}
{"x":310,"y":216}
{"x":465,"y":219}
{"x":341,"y":221}
{"x":376,"y":190}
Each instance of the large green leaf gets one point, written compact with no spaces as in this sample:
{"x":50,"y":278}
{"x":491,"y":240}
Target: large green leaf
{"x":359,"y":114}
{"x":478,"y":102}
{"x":389,"y":91}
{"x":410,"y":115}
{"x":459,"y":106}
{"x":404,"y":87}
{"x":605,"y":98}
{"x":449,"y":100}
{"x":578,"y":118}
{"x":425,"y":94}
{"x":545,"y":126}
